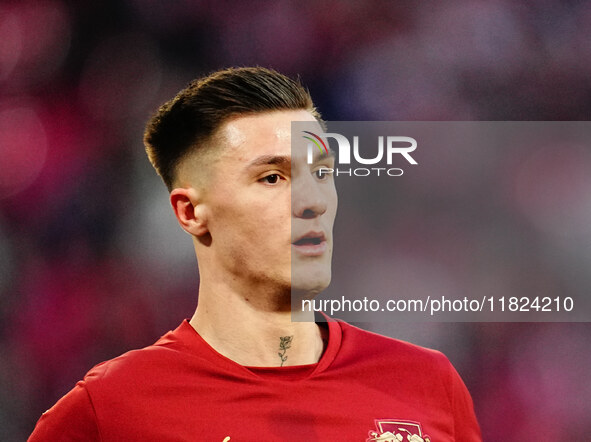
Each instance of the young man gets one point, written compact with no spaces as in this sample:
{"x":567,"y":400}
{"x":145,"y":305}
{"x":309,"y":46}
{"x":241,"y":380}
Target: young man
{"x":261,"y":221}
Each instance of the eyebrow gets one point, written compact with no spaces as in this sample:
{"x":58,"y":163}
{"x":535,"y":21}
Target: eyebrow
{"x":264,"y":160}
{"x":322,"y":156}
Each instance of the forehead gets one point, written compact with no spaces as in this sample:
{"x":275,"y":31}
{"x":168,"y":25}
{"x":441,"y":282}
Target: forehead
{"x":245,"y":137}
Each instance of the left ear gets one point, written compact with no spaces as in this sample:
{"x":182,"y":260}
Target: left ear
{"x":189,"y":210}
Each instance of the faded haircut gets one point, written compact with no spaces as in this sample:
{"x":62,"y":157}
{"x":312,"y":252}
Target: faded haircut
{"x":185,"y":123}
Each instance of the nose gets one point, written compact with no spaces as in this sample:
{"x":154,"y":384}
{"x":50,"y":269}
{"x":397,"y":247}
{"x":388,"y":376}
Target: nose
{"x":307,"y":199}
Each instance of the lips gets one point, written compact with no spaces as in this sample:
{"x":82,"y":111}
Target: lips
{"x":311,"y":244}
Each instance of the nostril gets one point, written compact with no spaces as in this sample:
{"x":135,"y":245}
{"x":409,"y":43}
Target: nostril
{"x":308,"y":213}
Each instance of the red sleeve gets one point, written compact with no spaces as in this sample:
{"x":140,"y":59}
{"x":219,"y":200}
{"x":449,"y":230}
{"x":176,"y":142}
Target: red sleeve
{"x":466,"y":428}
{"x":72,"y":418}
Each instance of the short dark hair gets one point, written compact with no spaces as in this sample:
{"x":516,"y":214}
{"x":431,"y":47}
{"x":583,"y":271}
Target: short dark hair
{"x":195,"y":113}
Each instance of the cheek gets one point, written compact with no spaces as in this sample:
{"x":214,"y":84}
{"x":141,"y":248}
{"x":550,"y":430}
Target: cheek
{"x":250,"y":213}
{"x":332,"y":204}
{"x":247,"y":221}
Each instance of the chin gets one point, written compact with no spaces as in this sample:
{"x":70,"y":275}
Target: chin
{"x":307,"y":284}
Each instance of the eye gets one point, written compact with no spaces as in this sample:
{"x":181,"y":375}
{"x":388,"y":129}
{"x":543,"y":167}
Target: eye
{"x":271,"y":179}
{"x":323,"y":173}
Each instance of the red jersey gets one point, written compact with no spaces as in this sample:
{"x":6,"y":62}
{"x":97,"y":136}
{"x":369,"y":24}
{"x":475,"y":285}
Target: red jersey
{"x":366,"y":387}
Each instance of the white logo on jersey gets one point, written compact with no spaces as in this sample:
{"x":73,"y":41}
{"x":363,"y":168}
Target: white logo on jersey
{"x":394,"y":430}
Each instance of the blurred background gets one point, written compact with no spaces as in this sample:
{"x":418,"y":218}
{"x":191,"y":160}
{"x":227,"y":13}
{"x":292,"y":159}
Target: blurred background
{"x":92,"y":262}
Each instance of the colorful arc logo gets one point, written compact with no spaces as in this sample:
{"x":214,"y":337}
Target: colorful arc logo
{"x":316,"y":142}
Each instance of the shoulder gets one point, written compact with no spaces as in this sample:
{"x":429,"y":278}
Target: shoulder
{"x":370,"y":353}
{"x":135,"y":365}
{"x":422,"y":376}
{"x":369,"y":344}
{"x":403,"y":367}
{"x":117,"y":394}
{"x":71,"y":418}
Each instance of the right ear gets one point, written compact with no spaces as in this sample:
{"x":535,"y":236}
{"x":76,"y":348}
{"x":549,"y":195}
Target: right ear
{"x":189,"y":211}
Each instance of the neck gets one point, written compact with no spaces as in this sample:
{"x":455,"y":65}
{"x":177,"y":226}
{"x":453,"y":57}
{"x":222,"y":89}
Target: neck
{"x":254,"y":333}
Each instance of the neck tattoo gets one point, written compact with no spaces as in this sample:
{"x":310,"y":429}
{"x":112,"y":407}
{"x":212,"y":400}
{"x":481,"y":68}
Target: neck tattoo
{"x":284,"y":344}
